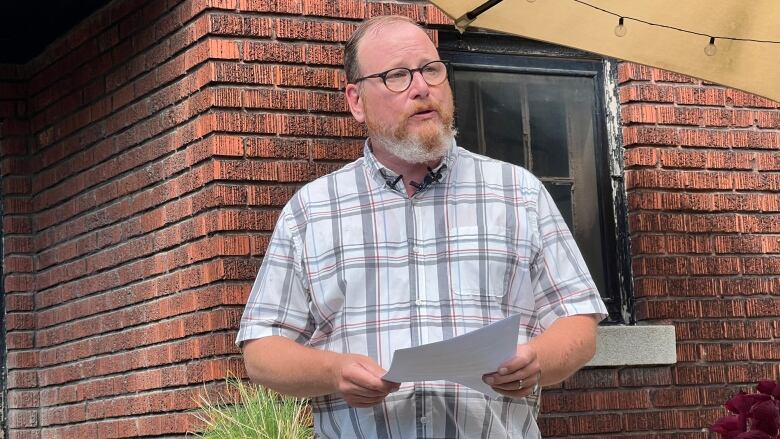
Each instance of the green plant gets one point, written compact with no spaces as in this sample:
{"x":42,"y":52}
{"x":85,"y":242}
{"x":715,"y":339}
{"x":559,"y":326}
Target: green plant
{"x":257,"y":413}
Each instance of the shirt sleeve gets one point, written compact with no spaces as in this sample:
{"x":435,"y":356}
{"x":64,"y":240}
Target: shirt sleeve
{"x":278,"y":303}
{"x":562,"y":283}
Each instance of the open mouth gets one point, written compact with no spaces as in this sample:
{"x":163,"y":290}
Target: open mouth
{"x":424,"y":113}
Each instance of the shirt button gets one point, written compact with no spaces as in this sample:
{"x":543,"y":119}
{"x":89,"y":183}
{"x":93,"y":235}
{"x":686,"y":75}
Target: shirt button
{"x":419,"y":302}
{"x":424,"y":420}
{"x":416,"y":249}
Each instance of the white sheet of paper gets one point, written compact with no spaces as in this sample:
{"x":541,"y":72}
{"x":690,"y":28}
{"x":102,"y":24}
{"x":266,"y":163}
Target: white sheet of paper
{"x":462,"y":359}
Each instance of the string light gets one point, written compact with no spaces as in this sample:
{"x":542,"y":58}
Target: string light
{"x":711,"y":49}
{"x":620,"y":29}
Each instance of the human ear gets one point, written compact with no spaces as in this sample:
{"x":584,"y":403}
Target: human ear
{"x":355,"y":102}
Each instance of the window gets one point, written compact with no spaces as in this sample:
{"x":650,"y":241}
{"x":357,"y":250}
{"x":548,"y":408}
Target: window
{"x":543,"y":108}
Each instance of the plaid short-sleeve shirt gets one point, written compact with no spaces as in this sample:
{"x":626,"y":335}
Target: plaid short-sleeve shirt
{"x":357,"y":266}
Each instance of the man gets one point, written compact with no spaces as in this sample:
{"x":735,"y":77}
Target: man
{"x":416,"y":242}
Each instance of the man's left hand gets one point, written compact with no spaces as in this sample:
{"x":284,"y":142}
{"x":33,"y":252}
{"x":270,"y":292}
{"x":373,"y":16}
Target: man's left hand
{"x":519,"y":376}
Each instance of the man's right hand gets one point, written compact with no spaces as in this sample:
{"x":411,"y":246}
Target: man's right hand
{"x":359,"y":381}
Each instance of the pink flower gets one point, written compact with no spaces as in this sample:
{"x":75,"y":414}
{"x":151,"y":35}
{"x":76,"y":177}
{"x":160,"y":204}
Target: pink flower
{"x":756,"y":415}
{"x":769,"y":387}
{"x":729,"y":427}
{"x":755,"y":434}
{"x":766,"y":417}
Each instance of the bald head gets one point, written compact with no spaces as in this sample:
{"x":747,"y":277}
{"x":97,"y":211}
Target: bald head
{"x":369,"y":27}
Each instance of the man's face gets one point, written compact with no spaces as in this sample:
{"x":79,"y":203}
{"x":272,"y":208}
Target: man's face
{"x":416,"y":124}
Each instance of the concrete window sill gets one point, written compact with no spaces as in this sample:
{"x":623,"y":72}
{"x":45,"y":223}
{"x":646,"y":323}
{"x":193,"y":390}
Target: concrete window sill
{"x":635,"y":345}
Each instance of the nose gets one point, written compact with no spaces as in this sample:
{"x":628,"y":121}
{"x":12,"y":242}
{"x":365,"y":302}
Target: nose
{"x":418,"y":87}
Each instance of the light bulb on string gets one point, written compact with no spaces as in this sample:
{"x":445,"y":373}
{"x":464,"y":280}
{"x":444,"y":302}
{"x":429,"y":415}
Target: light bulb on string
{"x":530,"y":1}
{"x":620,"y":29}
{"x":711,"y":49}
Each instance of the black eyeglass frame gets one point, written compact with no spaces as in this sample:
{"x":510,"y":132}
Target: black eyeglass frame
{"x":383,"y":75}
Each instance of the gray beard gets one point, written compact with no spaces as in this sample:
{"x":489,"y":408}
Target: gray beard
{"x":413,"y":150}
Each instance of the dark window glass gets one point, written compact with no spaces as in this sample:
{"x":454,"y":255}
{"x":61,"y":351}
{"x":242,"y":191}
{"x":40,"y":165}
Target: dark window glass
{"x":561,"y":194}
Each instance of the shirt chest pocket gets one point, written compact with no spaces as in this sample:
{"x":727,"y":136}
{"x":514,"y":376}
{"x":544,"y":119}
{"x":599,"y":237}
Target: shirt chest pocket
{"x":482,"y":261}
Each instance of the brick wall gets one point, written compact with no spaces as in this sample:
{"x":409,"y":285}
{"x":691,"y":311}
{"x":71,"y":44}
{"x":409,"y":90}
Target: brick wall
{"x":16,"y":245}
{"x":703,"y":189}
{"x":135,"y":212}
{"x":145,"y":157}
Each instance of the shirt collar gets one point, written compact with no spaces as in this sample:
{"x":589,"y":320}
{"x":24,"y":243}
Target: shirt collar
{"x":382,"y":174}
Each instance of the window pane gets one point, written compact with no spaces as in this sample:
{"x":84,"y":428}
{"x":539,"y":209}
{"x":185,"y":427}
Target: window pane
{"x":561,"y":194}
{"x":493,"y":125}
{"x":547,"y":110}
{"x":468,"y":107}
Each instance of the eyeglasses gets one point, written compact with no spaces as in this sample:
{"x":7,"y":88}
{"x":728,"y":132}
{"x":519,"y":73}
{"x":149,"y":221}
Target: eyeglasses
{"x":400,"y":78}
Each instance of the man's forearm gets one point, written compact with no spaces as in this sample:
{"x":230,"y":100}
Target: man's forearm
{"x":566,"y":346}
{"x":290,"y":368}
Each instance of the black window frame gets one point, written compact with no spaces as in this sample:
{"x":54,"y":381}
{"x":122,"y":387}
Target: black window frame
{"x":486,"y":51}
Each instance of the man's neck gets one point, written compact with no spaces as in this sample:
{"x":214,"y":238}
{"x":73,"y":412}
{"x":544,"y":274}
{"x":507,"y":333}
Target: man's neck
{"x":411,"y":172}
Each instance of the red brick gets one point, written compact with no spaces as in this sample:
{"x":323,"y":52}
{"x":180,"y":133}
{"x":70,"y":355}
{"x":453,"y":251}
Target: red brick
{"x":692,"y":223}
{"x":354,"y":9}
{"x":22,"y":418}
{"x":652,"y":114}
{"x":300,"y":125}
{"x":592,"y":379}
{"x":553,"y":426}
{"x":628,"y":71}
{"x":749,"y":286}
{"x":675,"y":397}
{"x":567,"y":402}
{"x":23,"y":399}
{"x":313,"y":30}
{"x":433,"y":15}
{"x":259,"y":26}
{"x":683,"y":159}
{"x":768,"y":162}
{"x":756,"y":181}
{"x":728,"y":138}
{"x":309,"y":77}
{"x":274,"y":52}
{"x":275,"y":147}
{"x":665,"y":420}
{"x":282,"y":6}
{"x":764,"y":119}
{"x":19,"y":340}
{"x":325,"y":54}
{"x":760,"y":224}
{"x":723,"y":352}
{"x":413,"y":11}
{"x":644,"y":377}
{"x":646,"y":93}
{"x":223,"y":24}
{"x":667,"y":76}
{"x":642,"y":156}
{"x":738,"y":98}
{"x":761,"y":265}
{"x":668,"y":179}
{"x":692,"y":265}
{"x":591,"y":424}
{"x":342,"y":149}
{"x":699,"y":96}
